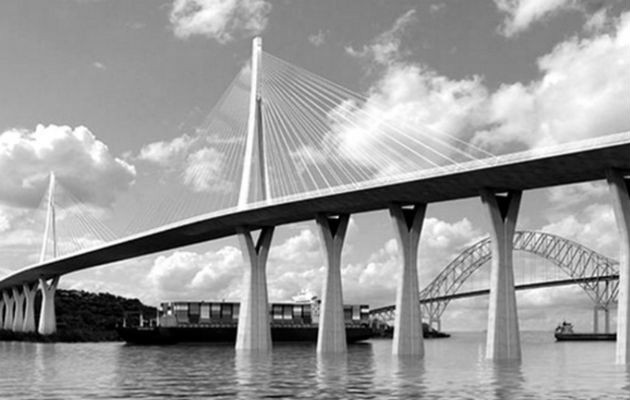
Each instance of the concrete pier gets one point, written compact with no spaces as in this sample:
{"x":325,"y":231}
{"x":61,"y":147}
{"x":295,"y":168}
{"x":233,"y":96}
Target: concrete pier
{"x":595,"y":319}
{"x":503,"y":338}
{"x":408,"y":338}
{"x":253,"y":332}
{"x":1,"y":312}
{"x":18,"y":315}
{"x":47,"y":317}
{"x":619,"y":186}
{"x":29,"y":291}
{"x":8,"y":310}
{"x":331,"y":335}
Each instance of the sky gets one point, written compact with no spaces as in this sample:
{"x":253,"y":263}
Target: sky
{"x":108,"y":94}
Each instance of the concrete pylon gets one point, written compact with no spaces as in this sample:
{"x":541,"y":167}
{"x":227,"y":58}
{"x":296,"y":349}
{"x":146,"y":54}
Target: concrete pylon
{"x":1,"y":312}
{"x":331,"y":334}
{"x":253,"y":332}
{"x":18,"y":315}
{"x":619,"y":186}
{"x":29,"y":290}
{"x":8,"y":310}
{"x":408,"y":338}
{"x":47,"y":318}
{"x":255,"y":137}
{"x":503,"y":338}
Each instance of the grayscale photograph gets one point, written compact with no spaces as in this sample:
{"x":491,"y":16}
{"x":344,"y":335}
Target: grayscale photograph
{"x":315,"y":199}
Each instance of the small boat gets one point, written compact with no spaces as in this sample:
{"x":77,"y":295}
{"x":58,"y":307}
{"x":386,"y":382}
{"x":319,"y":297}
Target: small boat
{"x":564,"y":332}
{"x":387,"y":331}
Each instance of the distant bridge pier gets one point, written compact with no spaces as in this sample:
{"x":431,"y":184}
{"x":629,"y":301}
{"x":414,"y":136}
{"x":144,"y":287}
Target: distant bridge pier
{"x":29,"y":290}
{"x":503,"y":340}
{"x":331,"y":335}
{"x":8,"y":310}
{"x":606,"y":311}
{"x":408,"y":339}
{"x":619,"y":186}
{"x":1,"y":312}
{"x":47,"y":317}
{"x":596,"y":319}
{"x":18,"y":315}
{"x":254,"y":332}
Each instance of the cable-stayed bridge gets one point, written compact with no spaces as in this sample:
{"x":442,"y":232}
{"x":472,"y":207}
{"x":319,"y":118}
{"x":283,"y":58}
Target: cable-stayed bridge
{"x":284,"y":145}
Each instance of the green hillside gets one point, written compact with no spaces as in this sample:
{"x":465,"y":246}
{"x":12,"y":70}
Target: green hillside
{"x":85,"y":317}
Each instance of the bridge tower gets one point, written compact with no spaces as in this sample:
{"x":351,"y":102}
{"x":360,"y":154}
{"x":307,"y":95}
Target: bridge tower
{"x":619,"y":186}
{"x":47,"y":319}
{"x":254,"y":332}
{"x":50,"y":230}
{"x":255,"y":137}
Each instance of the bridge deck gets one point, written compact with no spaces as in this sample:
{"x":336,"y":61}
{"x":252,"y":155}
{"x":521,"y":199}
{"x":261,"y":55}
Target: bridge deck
{"x":525,"y":286}
{"x":576,"y":162}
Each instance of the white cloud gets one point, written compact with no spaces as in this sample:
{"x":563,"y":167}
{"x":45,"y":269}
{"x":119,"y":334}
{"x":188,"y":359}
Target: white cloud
{"x":385,"y":48}
{"x":203,"y":171}
{"x":207,"y":276}
{"x":520,"y":14}
{"x":5,"y":220}
{"x":440,"y":242}
{"x":317,"y":39}
{"x":165,"y":153}
{"x":99,"y":65}
{"x":415,"y":101}
{"x":593,"y":227}
{"x":298,"y":252}
{"x":221,"y":20}
{"x":578,"y":96}
{"x":598,"y":21}
{"x":435,"y":8}
{"x":569,"y":195}
{"x":82,"y":163}
{"x":583,"y":213}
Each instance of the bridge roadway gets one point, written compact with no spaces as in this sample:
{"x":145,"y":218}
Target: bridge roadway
{"x":525,"y":286}
{"x":570,"y":163}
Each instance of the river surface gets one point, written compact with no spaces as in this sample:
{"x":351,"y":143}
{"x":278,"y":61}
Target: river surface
{"x":453,"y":368}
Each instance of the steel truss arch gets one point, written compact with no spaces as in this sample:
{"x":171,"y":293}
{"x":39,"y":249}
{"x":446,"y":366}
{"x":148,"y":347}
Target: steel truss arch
{"x":576,"y":260}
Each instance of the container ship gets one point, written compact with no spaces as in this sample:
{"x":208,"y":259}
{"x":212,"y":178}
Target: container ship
{"x":181,"y":321}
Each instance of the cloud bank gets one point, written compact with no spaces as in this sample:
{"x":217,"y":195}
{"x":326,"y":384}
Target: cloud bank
{"x":221,"y":20}
{"x":81,"y":162}
{"x":577,"y":96}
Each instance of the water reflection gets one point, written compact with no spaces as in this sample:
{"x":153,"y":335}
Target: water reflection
{"x":332,"y":374}
{"x":626,"y":387}
{"x":453,"y":369}
{"x":253,"y":372}
{"x":361,"y":371}
{"x":408,"y":376}
{"x":508,"y":381}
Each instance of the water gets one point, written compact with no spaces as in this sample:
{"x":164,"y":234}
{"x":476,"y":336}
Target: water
{"x":453,"y":368}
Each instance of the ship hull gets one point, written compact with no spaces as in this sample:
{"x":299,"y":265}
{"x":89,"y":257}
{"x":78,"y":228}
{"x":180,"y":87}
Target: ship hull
{"x":227,"y":334}
{"x":564,"y":337}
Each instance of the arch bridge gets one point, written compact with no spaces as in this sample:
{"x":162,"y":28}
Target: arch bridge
{"x":592,"y":271}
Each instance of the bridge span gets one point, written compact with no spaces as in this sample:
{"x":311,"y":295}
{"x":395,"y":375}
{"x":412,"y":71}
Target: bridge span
{"x":386,"y":313}
{"x":595,"y":273}
{"x":499,"y":182}
{"x":566,"y":164}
